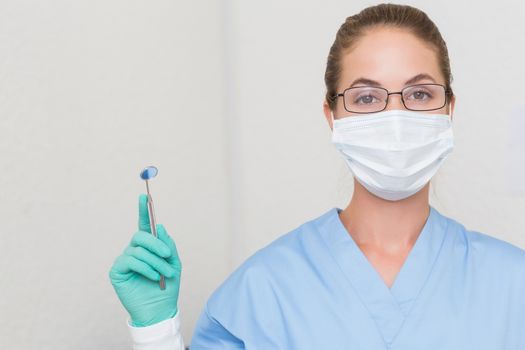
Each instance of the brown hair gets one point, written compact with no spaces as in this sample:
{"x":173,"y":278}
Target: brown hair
{"x":399,"y":16}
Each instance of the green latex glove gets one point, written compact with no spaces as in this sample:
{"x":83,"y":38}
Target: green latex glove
{"x":136,"y":273}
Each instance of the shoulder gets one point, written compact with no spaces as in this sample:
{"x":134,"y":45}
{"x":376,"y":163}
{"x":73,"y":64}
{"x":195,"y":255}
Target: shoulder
{"x":283,"y":249}
{"x":260,"y":272}
{"x":287,"y":248}
{"x":487,"y":250}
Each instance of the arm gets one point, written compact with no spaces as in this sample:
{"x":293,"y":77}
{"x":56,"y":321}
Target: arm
{"x":165,"y":335}
{"x":212,"y":335}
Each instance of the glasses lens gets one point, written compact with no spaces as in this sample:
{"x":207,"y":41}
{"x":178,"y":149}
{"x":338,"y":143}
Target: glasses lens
{"x":365,"y":99}
{"x":424,"y":97}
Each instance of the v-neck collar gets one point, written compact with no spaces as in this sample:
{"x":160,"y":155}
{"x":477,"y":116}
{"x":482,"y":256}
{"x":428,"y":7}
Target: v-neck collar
{"x":387,"y":306}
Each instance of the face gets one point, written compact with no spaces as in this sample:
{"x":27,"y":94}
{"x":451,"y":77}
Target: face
{"x":391,"y":57}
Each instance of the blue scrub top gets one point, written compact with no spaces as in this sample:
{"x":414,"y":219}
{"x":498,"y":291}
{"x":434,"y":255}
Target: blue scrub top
{"x":313,"y":288}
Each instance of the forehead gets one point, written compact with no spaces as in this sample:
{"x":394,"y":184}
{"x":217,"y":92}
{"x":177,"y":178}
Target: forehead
{"x":390,"y":56}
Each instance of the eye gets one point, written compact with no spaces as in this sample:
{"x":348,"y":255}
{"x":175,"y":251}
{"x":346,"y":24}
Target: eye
{"x":419,"y":95}
{"x":365,"y":99}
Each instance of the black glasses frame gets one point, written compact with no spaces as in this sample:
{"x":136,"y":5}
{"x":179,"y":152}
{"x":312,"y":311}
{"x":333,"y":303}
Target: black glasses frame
{"x":447,"y":94}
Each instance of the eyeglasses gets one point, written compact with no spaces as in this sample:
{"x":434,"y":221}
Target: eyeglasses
{"x":419,"y":97}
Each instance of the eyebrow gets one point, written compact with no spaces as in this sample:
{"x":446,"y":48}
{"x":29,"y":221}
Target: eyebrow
{"x":414,"y":79}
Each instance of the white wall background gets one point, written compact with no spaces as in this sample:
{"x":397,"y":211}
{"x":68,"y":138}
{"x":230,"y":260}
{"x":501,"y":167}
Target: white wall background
{"x":225,"y":98}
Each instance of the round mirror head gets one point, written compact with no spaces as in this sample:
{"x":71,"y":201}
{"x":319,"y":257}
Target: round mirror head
{"x":149,"y":173}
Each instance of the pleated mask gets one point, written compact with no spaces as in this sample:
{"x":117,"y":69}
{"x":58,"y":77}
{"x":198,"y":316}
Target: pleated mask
{"x":394,"y":153}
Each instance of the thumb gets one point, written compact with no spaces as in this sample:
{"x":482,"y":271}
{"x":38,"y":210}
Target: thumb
{"x":144,"y":224}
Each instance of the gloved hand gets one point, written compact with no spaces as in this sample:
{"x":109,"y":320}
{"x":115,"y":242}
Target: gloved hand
{"x":136,"y":273}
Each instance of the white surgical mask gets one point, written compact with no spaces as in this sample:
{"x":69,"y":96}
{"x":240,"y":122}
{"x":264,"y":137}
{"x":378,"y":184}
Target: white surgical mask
{"x":394,"y":153}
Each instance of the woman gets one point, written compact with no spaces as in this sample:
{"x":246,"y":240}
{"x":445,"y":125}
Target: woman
{"x":387,"y":272}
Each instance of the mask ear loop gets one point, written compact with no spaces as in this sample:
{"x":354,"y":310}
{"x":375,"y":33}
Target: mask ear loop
{"x":450,"y":110}
{"x":332,"y":117}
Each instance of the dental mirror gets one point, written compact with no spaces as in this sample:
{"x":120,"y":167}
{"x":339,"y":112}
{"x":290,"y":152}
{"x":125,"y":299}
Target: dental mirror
{"x":147,"y":174}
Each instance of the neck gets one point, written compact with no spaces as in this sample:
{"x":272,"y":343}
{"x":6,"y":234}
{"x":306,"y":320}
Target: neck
{"x":387,"y":225}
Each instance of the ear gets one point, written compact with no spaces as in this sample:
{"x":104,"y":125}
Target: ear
{"x":327,"y":113}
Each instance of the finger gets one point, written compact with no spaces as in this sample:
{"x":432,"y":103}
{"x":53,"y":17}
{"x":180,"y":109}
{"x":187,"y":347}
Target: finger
{"x":158,"y":264}
{"x":126,"y":264}
{"x":163,"y":235}
{"x":119,"y":270}
{"x":154,"y":245}
{"x":144,"y":223}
